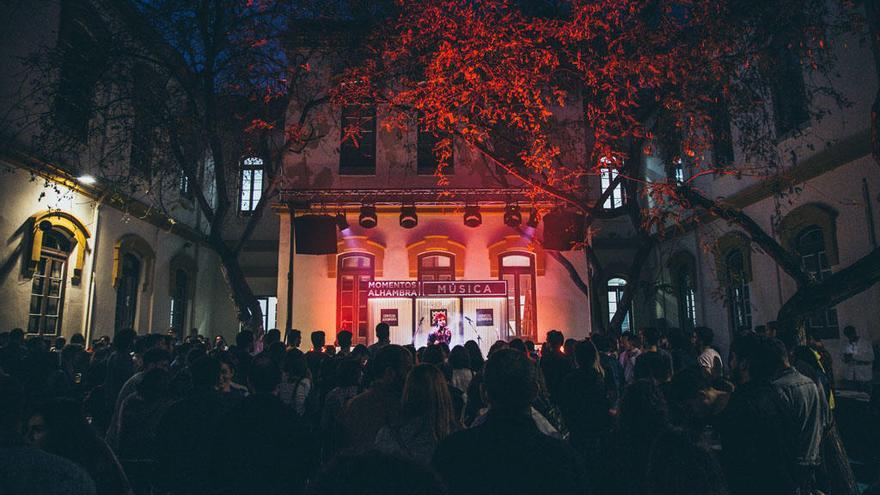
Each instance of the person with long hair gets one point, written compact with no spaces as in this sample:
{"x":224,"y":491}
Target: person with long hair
{"x":476,"y":355}
{"x":426,"y":418}
{"x":59,"y":427}
{"x":583,"y":401}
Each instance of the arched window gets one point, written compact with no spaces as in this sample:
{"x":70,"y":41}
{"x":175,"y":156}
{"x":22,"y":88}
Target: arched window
{"x":127,"y":291}
{"x":607,"y":174}
{"x":354,"y":271}
{"x":738,"y":297}
{"x":251,"y":184}
{"x":436,"y":267}
{"x":179,"y":300}
{"x":518,"y":269}
{"x":49,"y":282}
{"x":686,"y":295}
{"x":616,"y":287}
{"x":810,"y":245}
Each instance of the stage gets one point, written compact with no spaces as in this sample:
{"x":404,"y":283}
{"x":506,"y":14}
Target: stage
{"x":472,"y":309}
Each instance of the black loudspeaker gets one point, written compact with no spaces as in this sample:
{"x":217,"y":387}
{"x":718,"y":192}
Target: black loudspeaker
{"x":563,"y":230}
{"x":315,"y":234}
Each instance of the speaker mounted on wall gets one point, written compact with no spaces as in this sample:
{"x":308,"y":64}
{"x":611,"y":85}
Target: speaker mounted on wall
{"x":315,"y":234}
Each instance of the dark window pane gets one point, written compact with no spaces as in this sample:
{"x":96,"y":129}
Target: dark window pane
{"x":36,"y":304}
{"x":357,"y":150}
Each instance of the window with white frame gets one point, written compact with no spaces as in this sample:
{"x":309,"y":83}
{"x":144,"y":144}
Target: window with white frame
{"x":814,"y":259}
{"x":738,"y":292}
{"x":268,"y":306}
{"x":607,"y":175}
{"x":616,"y":288}
{"x":686,"y":295}
{"x":251,"y":184}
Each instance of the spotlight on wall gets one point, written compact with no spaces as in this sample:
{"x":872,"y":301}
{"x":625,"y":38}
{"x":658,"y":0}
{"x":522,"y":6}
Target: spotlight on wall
{"x":368,"y":218}
{"x":87,"y":179}
{"x":408,"y":216}
{"x":512,"y":215}
{"x":533,"y":219}
{"x":341,"y":221}
{"x":472,"y":216}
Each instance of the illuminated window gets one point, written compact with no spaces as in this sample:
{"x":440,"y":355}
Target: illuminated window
{"x":47,"y":287}
{"x":678,"y":170}
{"x":686,"y":295}
{"x":251,"y":184}
{"x":357,"y":151}
{"x":269,"y":306}
{"x":738,"y":294}
{"x":616,"y":287}
{"x":811,"y":248}
{"x":436,"y":267}
{"x":354,"y":272}
{"x":184,"y":187}
{"x":607,"y":175}
{"x":518,"y":269}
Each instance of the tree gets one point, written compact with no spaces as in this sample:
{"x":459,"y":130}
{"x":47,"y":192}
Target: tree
{"x":163,"y":99}
{"x":667,"y":79}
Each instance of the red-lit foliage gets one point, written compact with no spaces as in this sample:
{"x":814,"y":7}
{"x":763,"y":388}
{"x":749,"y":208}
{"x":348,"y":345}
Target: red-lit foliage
{"x":641,"y":77}
{"x":646,"y":71}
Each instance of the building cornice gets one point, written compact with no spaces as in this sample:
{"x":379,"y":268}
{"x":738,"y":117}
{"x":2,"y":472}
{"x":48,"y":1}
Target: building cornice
{"x":843,"y":152}
{"x":119,"y":201}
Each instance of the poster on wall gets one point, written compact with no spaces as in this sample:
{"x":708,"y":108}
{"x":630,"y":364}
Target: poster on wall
{"x":389,"y":316}
{"x":485,"y":317}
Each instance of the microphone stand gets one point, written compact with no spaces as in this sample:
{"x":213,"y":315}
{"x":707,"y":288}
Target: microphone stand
{"x":418,"y":329}
{"x":474,"y":328}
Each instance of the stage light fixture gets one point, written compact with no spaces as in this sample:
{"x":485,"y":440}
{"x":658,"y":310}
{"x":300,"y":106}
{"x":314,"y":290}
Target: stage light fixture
{"x":512,"y":215}
{"x":408,"y":216}
{"x":368,"y":218}
{"x":341,"y":221}
{"x":533,"y":219}
{"x":472,"y":216}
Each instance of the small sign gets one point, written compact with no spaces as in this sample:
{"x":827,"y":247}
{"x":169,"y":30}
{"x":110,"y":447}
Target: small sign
{"x":415,"y":288}
{"x":389,"y":316}
{"x":393,"y":288}
{"x":488,"y":288}
{"x":485,"y":317}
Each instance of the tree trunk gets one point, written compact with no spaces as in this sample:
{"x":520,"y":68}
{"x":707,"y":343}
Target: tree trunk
{"x":249,"y":312}
{"x":838,"y":287}
{"x":633,"y":276}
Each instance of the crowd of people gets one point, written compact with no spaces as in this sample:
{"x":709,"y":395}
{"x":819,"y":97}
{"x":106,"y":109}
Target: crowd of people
{"x":657,"y":412}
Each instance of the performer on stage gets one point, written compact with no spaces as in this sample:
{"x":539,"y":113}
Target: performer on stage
{"x":441,"y":334}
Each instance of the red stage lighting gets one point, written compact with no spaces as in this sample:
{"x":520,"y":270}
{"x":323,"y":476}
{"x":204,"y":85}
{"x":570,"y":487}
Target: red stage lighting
{"x":472,"y":216}
{"x":512,"y":215}
{"x":368,"y":218}
{"x":408,"y":217}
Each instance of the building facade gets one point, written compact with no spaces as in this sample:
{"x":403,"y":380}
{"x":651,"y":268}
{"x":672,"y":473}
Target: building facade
{"x":80,"y":260}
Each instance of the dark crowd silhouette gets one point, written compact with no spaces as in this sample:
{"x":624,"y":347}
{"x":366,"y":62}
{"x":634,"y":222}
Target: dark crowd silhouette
{"x":658,"y":412}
